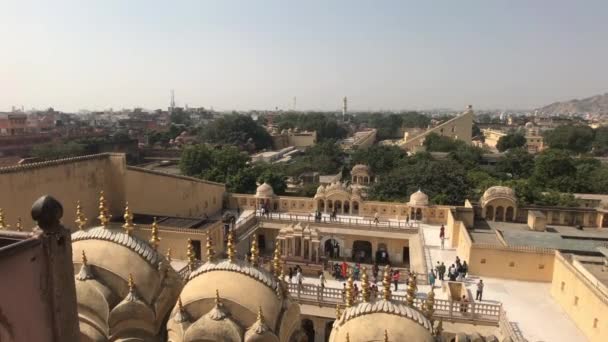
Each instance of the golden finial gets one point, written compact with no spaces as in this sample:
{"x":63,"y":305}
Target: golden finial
{"x":429,"y":305}
{"x":230,"y":246}
{"x":411,"y":290}
{"x":217,"y":297}
{"x":347,"y":337}
{"x":260,"y":315}
{"x":276,"y":260}
{"x":282,"y":280}
{"x":18,"y":226}
{"x":168,"y":255}
{"x":180,"y":306}
{"x":154,"y":239}
{"x":364,"y":285}
{"x":338,"y":313}
{"x":385,"y":335}
{"x":386,"y":284}
{"x":131,"y":283}
{"x":3,"y":225}
{"x":128,"y":216}
{"x":255,"y":254}
{"x":210,"y":251}
{"x":349,"y":290}
{"x":84,"y":258}
{"x":81,"y":220}
{"x":191,"y":256}
{"x":104,"y":213}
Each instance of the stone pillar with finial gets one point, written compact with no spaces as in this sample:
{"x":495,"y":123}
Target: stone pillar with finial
{"x":154,"y":239}
{"x":191,"y":256}
{"x":365,"y":292}
{"x":128,"y":216}
{"x":429,"y":306}
{"x":209,"y":248}
{"x":81,"y":219}
{"x":255,"y":254}
{"x":349,"y":290}
{"x":230,"y":246}
{"x":58,"y":273}
{"x":3,"y":224}
{"x":411,"y":290}
{"x":276,"y":260}
{"x":104,"y":212}
{"x":386,"y":284}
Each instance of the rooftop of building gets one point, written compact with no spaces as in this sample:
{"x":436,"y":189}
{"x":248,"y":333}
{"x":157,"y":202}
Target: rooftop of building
{"x":170,"y":221}
{"x":564,"y":238}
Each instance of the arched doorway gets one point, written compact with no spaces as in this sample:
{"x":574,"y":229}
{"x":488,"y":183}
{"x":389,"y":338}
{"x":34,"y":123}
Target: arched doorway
{"x":355,"y":210}
{"x":330,"y":206}
{"x":332,"y":249}
{"x":418,"y":214}
{"x":309,"y":329}
{"x":489,"y":212}
{"x":338,"y":206}
{"x":362,"y":251}
{"x":346,"y":207}
{"x":382,"y":257}
{"x":500,"y":213}
{"x":509,"y":214}
{"x":321,"y":205}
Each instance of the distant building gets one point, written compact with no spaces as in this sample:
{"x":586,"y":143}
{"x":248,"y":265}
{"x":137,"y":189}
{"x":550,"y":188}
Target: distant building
{"x":13,"y":123}
{"x":534,"y":139}
{"x":293,"y":137}
{"x":282,"y":155}
{"x":361,"y":139}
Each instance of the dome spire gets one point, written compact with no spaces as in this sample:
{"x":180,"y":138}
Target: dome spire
{"x":364,"y":285}
{"x":128,"y":216}
{"x":230,"y":246}
{"x":386,"y":284}
{"x":18,"y":226}
{"x":217,"y":313}
{"x":255,"y":254}
{"x":276,"y":260}
{"x":411,"y":289}
{"x":338,"y":312}
{"x":191,"y":256}
{"x":3,"y":224}
{"x":210,"y":251}
{"x":85,"y":270}
{"x":181,"y":315}
{"x":386,"y":335}
{"x":81,"y":220}
{"x":347,"y":337}
{"x":104,"y":214}
{"x":349,"y":290}
{"x":260,"y":315}
{"x":132,"y":295}
{"x":154,"y":239}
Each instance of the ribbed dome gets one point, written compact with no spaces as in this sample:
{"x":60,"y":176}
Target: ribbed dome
{"x":498,"y":192}
{"x":419,"y":199}
{"x":264,"y":190}
{"x":360,"y":169}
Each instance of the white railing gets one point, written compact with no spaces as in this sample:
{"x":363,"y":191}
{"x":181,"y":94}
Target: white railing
{"x":508,"y":330}
{"x":411,"y":226}
{"x":488,"y":313}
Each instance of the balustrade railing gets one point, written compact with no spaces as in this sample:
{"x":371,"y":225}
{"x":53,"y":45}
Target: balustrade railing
{"x":349,"y":221}
{"x":446,"y":309}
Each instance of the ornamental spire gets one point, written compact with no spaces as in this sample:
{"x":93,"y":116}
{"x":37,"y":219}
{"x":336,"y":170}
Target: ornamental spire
{"x":128,"y":216}
{"x":429,"y":305}
{"x":276,"y":260}
{"x":260,"y":315}
{"x":230,"y":246}
{"x":255,"y":254}
{"x":18,"y":226}
{"x":154,"y":239}
{"x":386,"y":284}
{"x":104,"y":213}
{"x":131,"y":283}
{"x":386,"y":335}
{"x":349,"y":290}
{"x":347,"y":337}
{"x":338,"y":312}
{"x":181,"y":315}
{"x":364,"y":285}
{"x":210,"y":251}
{"x":411,"y":290}
{"x":85,"y":271}
{"x":191,"y":256}
{"x":3,"y":224}
{"x":81,"y":220}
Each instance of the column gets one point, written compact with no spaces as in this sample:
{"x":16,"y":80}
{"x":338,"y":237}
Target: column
{"x":319,"y":330}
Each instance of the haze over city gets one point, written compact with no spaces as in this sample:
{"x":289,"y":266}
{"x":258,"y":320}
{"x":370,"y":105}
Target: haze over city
{"x":242,"y":55}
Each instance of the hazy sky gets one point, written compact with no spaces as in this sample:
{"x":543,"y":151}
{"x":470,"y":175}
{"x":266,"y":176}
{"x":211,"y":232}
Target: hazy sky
{"x":260,"y":54}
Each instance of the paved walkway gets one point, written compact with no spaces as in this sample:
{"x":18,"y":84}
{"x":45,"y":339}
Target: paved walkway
{"x":529,"y":305}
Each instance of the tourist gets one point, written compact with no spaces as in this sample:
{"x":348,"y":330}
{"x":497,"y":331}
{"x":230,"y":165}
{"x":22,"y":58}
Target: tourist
{"x":376,"y":220}
{"x":375,"y":270}
{"x":442,"y":232}
{"x":442,"y":242}
{"x":374,"y":292}
{"x":299,"y":279}
{"x":460,"y":272}
{"x":322,"y":280}
{"x":355,"y":292}
{"x":479,"y":294}
{"x":344,"y":292}
{"x":396,"y":278}
{"x":344,"y":269}
{"x":441,"y":271}
{"x":356,"y":272}
{"x":432,"y":278}
{"x":457,"y":261}
{"x":465,"y":269}
{"x":452,"y":273}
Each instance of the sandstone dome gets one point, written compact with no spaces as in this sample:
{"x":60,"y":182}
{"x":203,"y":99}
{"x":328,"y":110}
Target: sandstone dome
{"x":419,"y":199}
{"x":360,"y":169}
{"x":496,"y":192}
{"x":264,"y":190}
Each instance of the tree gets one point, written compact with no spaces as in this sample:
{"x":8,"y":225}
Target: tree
{"x":325,"y":124}
{"x":600,"y":141}
{"x":380,"y":159}
{"x":517,"y":162}
{"x":195,"y":159}
{"x":511,"y":140}
{"x":554,"y":169}
{"x":468,"y":156}
{"x":437,"y":143}
{"x":575,"y":138}
{"x":274,"y":179}
{"x":238,"y":130}
{"x":56,"y":151}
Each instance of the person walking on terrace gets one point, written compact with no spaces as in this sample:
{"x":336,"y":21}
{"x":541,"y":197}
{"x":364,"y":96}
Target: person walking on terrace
{"x":479,"y":294}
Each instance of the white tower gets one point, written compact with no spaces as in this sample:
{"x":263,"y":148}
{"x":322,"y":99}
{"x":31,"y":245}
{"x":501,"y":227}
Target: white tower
{"x":344,"y":108}
{"x":172,"y":104}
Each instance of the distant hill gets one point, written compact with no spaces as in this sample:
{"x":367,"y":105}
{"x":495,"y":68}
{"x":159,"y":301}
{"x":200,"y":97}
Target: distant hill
{"x":594,"y":105}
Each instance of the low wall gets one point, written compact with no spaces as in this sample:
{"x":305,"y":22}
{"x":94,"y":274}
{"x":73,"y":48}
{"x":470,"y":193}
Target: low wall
{"x":528,"y":264}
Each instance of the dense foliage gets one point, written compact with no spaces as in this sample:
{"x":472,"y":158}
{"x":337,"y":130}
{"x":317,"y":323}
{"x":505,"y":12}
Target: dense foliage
{"x":389,"y":124}
{"x":326,"y":125}
{"x":511,"y":140}
{"x":237,"y":130}
{"x":578,"y":139}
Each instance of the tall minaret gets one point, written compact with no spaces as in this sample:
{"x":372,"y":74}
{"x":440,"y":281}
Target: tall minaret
{"x":172,"y":104}
{"x":294,"y":104}
{"x":344,"y":108}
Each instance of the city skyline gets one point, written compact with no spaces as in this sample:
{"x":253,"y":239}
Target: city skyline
{"x":237,"y":55}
